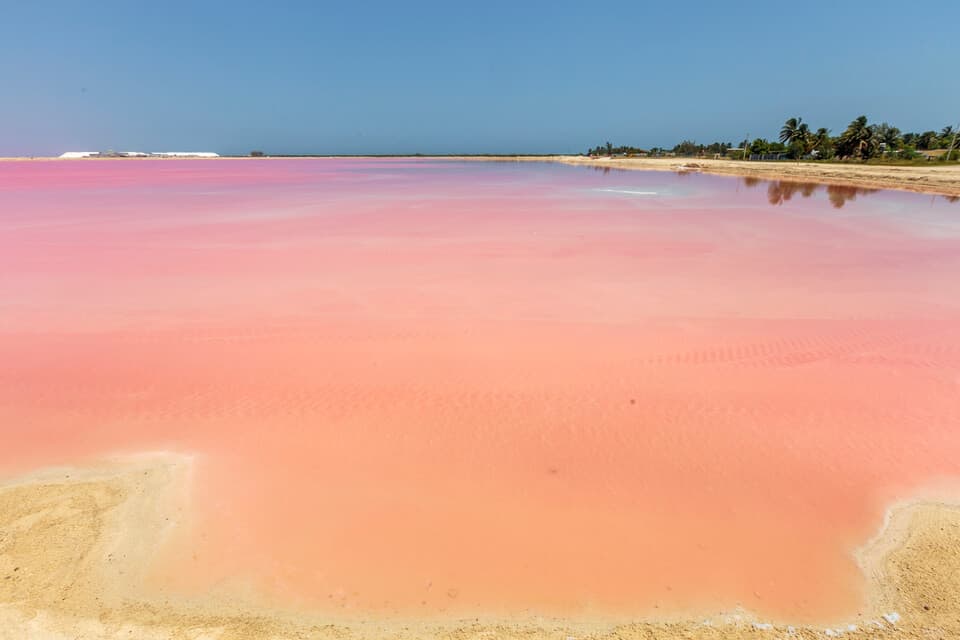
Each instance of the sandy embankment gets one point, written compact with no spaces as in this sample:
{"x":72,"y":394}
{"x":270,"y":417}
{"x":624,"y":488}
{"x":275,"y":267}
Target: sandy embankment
{"x":937,"y":179}
{"x":75,"y":544}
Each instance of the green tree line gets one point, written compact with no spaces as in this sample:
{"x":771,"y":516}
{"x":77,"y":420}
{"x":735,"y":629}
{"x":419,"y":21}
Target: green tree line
{"x":797,"y":140}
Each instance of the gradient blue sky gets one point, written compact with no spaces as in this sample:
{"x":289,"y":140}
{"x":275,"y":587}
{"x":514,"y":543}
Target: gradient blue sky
{"x":447,"y":77}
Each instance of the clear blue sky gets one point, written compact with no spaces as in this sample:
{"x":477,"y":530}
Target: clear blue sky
{"x":442,"y":76}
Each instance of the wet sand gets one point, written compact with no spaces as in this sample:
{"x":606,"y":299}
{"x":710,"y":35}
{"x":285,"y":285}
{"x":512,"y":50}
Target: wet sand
{"x":74,"y":545}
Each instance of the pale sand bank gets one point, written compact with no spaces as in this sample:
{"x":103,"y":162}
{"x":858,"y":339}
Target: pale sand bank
{"x":935,"y":178}
{"x":74,"y":545}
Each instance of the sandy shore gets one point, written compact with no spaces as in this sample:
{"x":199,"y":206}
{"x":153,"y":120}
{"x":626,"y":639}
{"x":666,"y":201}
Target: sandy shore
{"x":935,"y":178}
{"x":75,"y":544}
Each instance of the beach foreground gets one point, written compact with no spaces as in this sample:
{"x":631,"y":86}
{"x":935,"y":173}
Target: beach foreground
{"x":74,"y":545}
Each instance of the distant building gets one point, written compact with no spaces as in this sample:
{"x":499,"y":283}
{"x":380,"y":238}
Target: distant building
{"x":769,"y":156}
{"x":931,"y":154}
{"x":80,"y":154}
{"x":185,"y":154}
{"x":139,"y":154}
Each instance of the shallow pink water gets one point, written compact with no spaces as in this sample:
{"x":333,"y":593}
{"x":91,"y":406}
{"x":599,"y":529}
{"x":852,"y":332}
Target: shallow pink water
{"x":422,"y":387}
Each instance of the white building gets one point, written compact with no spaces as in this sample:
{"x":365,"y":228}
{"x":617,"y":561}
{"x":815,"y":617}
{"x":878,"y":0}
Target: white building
{"x":79,"y":154}
{"x":185,"y":154}
{"x":139,"y":154}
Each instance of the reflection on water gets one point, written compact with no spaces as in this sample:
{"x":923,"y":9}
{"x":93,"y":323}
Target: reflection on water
{"x":605,"y":170}
{"x":840,"y":194}
{"x":781,"y":191}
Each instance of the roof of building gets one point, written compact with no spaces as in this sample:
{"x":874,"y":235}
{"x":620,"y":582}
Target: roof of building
{"x":187,"y":154}
{"x":79,"y":154}
{"x":140,"y":154}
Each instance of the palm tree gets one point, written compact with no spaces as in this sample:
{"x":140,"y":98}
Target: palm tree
{"x":888,"y":135}
{"x":953,"y":142}
{"x":857,"y":139}
{"x":796,"y":132}
{"x":805,"y":139}
{"x":793,"y":130}
{"x":927,"y":140}
{"x":946,"y":136}
{"x":822,"y":142}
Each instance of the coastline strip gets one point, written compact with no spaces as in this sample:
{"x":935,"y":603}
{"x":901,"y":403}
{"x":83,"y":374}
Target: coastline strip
{"x":935,"y":179}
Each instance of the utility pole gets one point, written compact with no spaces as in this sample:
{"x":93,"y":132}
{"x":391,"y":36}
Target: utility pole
{"x":953,"y":142}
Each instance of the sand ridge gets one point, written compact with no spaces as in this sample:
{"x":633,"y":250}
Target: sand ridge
{"x":75,"y":545}
{"x":936,"y":179}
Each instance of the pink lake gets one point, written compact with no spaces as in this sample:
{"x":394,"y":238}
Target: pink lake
{"x":431,"y":387}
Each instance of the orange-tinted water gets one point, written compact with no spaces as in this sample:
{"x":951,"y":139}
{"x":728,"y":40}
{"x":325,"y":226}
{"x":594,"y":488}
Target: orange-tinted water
{"x":423,"y":387}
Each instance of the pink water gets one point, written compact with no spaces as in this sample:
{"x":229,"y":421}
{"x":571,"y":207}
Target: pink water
{"x":416,"y":387}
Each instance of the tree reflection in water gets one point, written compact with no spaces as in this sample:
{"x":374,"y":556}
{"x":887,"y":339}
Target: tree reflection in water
{"x":781,"y":191}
